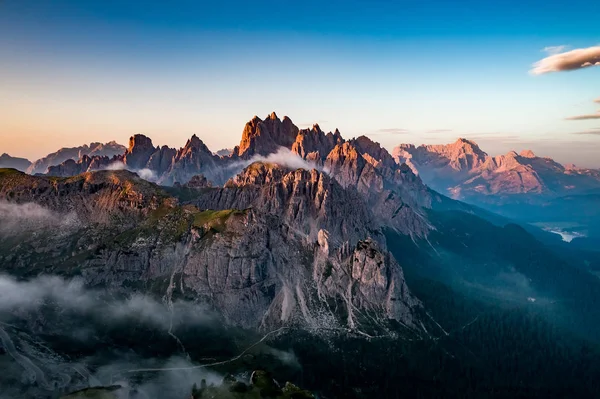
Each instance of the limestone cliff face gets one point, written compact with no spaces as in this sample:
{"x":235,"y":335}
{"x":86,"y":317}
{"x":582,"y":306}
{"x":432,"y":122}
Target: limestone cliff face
{"x":395,"y":194}
{"x":314,"y":145}
{"x":306,"y":201}
{"x":272,"y":247}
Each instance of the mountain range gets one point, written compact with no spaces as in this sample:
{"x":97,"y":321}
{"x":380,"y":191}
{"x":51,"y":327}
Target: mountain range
{"x":464,"y":171}
{"x":330,"y":246}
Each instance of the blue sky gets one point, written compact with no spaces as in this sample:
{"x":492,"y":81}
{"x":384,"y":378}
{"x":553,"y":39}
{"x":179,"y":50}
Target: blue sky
{"x":81,"y":71}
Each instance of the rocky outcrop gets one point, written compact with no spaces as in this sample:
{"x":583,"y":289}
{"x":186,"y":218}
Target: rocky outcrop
{"x":109,"y":149}
{"x":6,"y":161}
{"x":95,"y":197}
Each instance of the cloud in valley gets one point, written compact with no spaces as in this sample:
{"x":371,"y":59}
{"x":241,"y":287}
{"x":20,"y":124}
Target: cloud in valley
{"x":145,"y":173}
{"x":72,"y":295}
{"x":175,"y":353}
{"x":568,"y":61}
{"x":283,"y":157}
{"x":17,"y":218}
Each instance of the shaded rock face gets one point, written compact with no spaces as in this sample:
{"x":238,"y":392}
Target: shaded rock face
{"x":188,"y":161}
{"x":21,"y":164}
{"x":307,"y":201}
{"x":139,"y":152}
{"x":395,"y":194}
{"x":464,"y":171}
{"x":110,"y":150}
{"x":198,"y":182}
{"x":85,"y":164}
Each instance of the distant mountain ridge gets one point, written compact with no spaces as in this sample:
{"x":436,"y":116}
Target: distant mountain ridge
{"x":464,"y":171}
{"x":42,"y":165}
{"x":6,"y":161}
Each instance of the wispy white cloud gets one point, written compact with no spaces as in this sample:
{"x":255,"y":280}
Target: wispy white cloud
{"x":29,"y":217}
{"x":433,"y":131}
{"x":568,"y":61}
{"x":555,"y":49}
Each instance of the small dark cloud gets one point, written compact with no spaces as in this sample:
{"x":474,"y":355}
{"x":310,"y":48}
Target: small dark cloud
{"x":392,"y":130}
{"x":584,"y":117}
{"x":597,"y":100}
{"x":567,"y":61}
{"x":591,"y":132}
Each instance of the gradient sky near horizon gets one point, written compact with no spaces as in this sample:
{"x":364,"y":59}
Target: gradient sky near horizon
{"x":425,"y":71}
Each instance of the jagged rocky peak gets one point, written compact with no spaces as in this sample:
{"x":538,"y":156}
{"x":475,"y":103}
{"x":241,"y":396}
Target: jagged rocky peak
{"x":262,"y":137}
{"x":139,"y":151}
{"x":312,"y":144}
{"x":377,"y":155}
{"x":139,"y":142}
{"x":194,"y":158}
{"x":195,"y":143}
{"x":224,"y":152}
{"x":527,"y":154}
{"x":462,"y":155}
